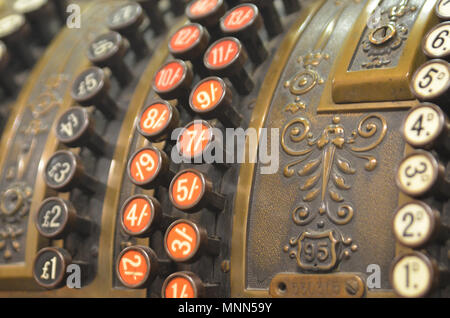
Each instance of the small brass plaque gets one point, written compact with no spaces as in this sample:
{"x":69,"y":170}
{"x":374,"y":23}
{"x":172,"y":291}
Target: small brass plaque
{"x":340,"y":285}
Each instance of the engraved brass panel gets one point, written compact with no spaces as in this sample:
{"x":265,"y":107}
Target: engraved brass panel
{"x":387,"y":81}
{"x":340,"y":285}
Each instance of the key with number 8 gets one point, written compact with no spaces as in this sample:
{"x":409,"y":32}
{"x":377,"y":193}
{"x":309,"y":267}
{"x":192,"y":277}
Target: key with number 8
{"x":157,"y":121}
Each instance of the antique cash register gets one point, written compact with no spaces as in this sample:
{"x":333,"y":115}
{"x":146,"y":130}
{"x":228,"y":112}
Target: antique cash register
{"x":224,"y":148}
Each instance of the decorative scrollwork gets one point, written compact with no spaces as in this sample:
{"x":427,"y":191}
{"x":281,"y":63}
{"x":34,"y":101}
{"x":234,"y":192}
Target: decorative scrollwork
{"x":324,"y":164}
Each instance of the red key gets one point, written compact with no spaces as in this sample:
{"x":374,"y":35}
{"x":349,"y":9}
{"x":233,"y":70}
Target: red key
{"x":157,"y":121}
{"x":194,"y":139}
{"x":133,"y":268}
{"x":186,"y":241}
{"x":186,"y":285}
{"x":185,"y":38}
{"x":190,"y":191}
{"x":149,"y":167}
{"x":140,"y":214}
{"x":137,"y":266}
{"x":211,"y":98}
{"x":207,"y":13}
{"x":173,"y":80}
{"x":243,"y":22}
{"x":226,"y":57}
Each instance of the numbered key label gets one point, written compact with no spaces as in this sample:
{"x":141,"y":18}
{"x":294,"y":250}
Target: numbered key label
{"x":104,"y":45}
{"x":51,"y":217}
{"x":423,"y":125}
{"x":207,"y":95}
{"x":413,"y":224}
{"x":222,"y":53}
{"x":412,"y":275}
{"x":443,"y":9}
{"x":49,"y":267}
{"x":88,"y":83}
{"x":169,"y":76}
{"x":60,"y":169}
{"x":137,"y":215}
{"x":431,"y":80}
{"x":144,"y":165}
{"x":194,"y":139}
{"x":72,"y":124}
{"x":437,"y":42}
{"x":239,"y":17}
{"x":133,"y":267}
{"x":185,"y":38}
{"x":155,"y":119}
{"x":187,"y":189}
{"x":201,"y":8}
{"x":182,"y":240}
{"x":417,"y":173}
{"x":178,"y":286}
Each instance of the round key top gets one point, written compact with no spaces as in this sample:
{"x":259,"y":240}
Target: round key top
{"x":108,"y":50}
{"x":173,"y":81}
{"x":426,"y":126}
{"x":431,"y":82}
{"x":195,"y":140}
{"x":49,"y":268}
{"x":14,"y":31}
{"x":211,"y":98}
{"x":149,"y":167}
{"x":157,"y":121}
{"x":436,"y":44}
{"x":75,"y":128}
{"x":186,"y":241}
{"x":443,"y":9}
{"x":186,"y":285}
{"x":270,"y":15}
{"x":291,"y":6}
{"x":414,"y":275}
{"x":126,"y":20}
{"x":64,"y":171}
{"x":41,"y":16}
{"x":7,"y":81}
{"x":190,"y":43}
{"x":226,"y":58}
{"x":91,"y":88}
{"x":415,"y":224}
{"x":420,"y":174}
{"x":152,"y":10}
{"x":140,"y":215}
{"x":56,"y":218}
{"x":207,"y":13}
{"x":243,"y":22}
{"x":137,"y":266}
{"x":191,"y":191}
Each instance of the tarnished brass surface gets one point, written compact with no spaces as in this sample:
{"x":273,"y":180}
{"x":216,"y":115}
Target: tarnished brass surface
{"x":387,"y":82}
{"x":338,"y":285}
